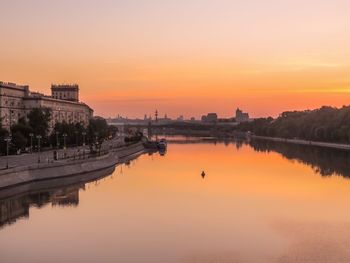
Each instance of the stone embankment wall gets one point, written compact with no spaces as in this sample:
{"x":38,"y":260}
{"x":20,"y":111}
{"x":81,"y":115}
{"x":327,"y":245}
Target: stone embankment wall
{"x":36,"y":172}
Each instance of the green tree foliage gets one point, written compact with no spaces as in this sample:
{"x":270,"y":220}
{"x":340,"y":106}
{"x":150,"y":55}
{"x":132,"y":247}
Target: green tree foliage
{"x":39,"y":120}
{"x":324,"y":124}
{"x":20,"y":133}
{"x":98,"y":127}
{"x":3,"y":135}
{"x":73,"y":132}
{"x":38,"y":124}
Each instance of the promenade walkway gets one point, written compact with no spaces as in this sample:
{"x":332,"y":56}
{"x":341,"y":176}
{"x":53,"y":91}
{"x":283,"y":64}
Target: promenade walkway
{"x":341,"y":146}
{"x":48,"y":155}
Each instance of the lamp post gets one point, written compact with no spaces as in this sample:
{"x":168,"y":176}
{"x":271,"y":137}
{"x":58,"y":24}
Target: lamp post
{"x":96,"y":137}
{"x":96,"y":143}
{"x":31,"y":135}
{"x":83,"y":133}
{"x":39,"y":139}
{"x":64,"y":144}
{"x":76,"y":138}
{"x":7,"y":140}
{"x":10,"y":115}
{"x":64,"y":140}
{"x":57,"y":141}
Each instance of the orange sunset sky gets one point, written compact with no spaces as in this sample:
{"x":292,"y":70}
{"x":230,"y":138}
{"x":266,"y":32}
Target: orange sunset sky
{"x":183,"y":57}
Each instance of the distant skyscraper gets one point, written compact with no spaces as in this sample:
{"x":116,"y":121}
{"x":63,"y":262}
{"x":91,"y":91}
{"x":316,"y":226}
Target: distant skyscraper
{"x":241,"y":116}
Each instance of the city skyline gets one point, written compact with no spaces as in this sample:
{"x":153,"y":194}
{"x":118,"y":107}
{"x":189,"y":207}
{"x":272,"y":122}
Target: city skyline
{"x":185,"y":58}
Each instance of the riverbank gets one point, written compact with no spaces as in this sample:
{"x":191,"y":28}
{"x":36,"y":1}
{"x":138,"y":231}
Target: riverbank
{"x":305,"y":142}
{"x":65,"y":168}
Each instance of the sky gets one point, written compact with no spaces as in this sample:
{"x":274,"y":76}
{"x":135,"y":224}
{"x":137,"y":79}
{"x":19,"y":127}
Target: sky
{"x":183,"y":57}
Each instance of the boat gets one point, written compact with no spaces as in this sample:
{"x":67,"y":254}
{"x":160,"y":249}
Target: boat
{"x":162,"y":144}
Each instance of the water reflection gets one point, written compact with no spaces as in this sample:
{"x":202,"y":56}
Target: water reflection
{"x":253,"y":205}
{"x":18,"y":207}
{"x":15,"y":202}
{"x":323,"y":161}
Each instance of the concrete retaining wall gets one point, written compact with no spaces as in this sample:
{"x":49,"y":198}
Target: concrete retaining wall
{"x":37,"y":172}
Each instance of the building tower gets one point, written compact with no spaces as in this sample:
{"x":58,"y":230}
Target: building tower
{"x":156,"y":114}
{"x":65,"y":92}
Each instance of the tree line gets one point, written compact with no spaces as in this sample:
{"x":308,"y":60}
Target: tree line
{"x":326,"y":124}
{"x":25,"y":133}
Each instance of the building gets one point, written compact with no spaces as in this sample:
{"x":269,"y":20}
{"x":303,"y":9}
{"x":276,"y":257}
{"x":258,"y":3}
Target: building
{"x":17,"y":101}
{"x":241,"y":116}
{"x":180,"y":118}
{"x":210,"y":117}
{"x":65,"y":92}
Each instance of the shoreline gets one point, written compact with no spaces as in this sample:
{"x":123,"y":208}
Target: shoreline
{"x":32,"y":173}
{"x":339,"y":146}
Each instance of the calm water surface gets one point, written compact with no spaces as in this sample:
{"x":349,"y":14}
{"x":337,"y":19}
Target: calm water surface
{"x":257,"y":203}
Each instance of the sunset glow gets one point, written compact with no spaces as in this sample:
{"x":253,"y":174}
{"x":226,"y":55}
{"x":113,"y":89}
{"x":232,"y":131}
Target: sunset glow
{"x":182,"y":57}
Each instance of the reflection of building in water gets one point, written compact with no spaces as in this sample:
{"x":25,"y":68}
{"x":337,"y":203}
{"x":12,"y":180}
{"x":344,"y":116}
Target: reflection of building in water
{"x":11,"y":210}
{"x":18,"y":207}
{"x":66,"y":197}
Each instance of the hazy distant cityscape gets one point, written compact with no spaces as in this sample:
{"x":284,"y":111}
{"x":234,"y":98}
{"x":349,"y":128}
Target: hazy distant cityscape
{"x":210,"y":118}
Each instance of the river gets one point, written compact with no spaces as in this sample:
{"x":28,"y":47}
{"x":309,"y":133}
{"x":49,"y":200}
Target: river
{"x":256,"y":202}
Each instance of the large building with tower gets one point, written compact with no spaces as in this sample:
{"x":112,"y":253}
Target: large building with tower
{"x":17,"y":101}
{"x":241,"y":116}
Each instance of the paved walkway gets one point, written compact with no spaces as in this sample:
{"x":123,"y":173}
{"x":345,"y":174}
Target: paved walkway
{"x":47,"y":156}
{"x":304,"y":142}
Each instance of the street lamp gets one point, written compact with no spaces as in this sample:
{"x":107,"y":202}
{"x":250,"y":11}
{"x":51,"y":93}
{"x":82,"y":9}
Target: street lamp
{"x":96,"y":137}
{"x":64,"y":140}
{"x":39,"y":138}
{"x":57,"y":141}
{"x":7,"y":140}
{"x":83,"y":133}
{"x":76,"y":138}
{"x":31,"y":135}
{"x":96,"y":144}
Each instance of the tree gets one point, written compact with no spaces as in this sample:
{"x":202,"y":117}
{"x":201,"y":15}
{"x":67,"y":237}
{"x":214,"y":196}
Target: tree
{"x":3,"y":135}
{"x":73,"y":133}
{"x":20,"y":133}
{"x":39,"y":119}
{"x":98,"y":127}
{"x":323,"y":124}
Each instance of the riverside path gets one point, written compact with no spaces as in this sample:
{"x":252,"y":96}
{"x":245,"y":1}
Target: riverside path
{"x":48,"y":155}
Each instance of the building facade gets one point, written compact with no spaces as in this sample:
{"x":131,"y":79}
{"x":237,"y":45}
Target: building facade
{"x":65,"y":92}
{"x":241,"y":116}
{"x":16,"y":101}
{"x":210,"y":117}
